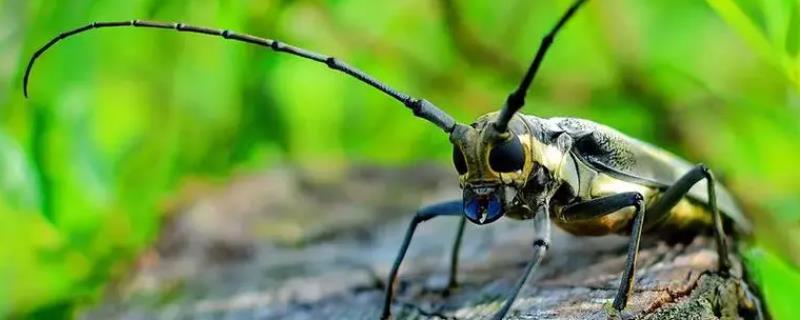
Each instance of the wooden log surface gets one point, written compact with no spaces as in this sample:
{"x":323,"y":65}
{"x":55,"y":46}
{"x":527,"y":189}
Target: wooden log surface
{"x":281,"y":245}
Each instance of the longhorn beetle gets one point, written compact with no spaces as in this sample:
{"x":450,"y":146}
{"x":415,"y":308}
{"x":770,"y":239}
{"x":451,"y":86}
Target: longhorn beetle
{"x":589,"y":178}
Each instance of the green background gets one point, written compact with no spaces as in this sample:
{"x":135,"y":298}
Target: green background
{"x":120,"y":119}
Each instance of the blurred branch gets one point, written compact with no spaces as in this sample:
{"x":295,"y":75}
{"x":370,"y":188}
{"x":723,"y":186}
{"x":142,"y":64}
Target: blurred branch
{"x":356,"y":38}
{"x":472,"y":48}
{"x":635,"y":84}
{"x":520,"y":11}
{"x":625,"y":57}
{"x":747,"y":29}
{"x":669,"y":127}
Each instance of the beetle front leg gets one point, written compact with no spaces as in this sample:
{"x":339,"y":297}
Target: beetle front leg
{"x":541,"y":244}
{"x":603,"y":206}
{"x":447,"y":208}
{"x":452,"y":281}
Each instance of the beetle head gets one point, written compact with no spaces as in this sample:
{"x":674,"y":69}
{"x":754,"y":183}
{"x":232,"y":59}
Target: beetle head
{"x":492,"y":166}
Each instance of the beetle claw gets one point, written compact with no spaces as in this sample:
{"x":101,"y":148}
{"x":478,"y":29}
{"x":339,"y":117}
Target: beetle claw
{"x":611,"y":312}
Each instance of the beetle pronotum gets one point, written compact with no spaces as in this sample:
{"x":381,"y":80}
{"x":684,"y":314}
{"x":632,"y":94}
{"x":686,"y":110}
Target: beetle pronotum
{"x":591,"y":179}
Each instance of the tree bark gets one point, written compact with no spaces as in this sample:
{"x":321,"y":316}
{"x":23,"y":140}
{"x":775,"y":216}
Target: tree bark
{"x":279,"y":245}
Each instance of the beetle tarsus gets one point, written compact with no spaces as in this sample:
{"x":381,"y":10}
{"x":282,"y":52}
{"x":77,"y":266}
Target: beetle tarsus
{"x":611,"y":312}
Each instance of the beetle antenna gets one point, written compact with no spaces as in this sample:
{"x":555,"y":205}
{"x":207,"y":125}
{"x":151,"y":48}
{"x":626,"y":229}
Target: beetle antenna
{"x":516,"y":99}
{"x":420,"y":107}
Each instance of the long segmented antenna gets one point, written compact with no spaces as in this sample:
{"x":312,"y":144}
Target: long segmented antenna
{"x":516,"y":99}
{"x":421,"y":107}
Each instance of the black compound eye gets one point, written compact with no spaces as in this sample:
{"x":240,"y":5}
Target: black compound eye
{"x":459,"y":161}
{"x":507,"y":156}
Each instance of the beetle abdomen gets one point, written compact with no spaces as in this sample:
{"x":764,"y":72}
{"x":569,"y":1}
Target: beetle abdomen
{"x":687,"y":217}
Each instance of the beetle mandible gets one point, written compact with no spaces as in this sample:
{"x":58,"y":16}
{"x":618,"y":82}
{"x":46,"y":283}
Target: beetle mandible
{"x":588,"y":178}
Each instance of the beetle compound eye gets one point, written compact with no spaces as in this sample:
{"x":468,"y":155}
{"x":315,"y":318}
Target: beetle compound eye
{"x":507,"y":156}
{"x":459,"y":161}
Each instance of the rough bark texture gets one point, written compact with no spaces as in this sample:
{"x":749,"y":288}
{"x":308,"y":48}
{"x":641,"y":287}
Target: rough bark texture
{"x":279,"y":246}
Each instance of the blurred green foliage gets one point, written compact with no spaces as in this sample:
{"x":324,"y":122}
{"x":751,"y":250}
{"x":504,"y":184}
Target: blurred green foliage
{"x":119,"y":119}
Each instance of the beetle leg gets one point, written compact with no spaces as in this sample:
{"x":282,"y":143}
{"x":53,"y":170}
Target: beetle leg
{"x":607,"y":205}
{"x":541,"y":244}
{"x":452,"y":281}
{"x":447,"y":208}
{"x":677,"y":191}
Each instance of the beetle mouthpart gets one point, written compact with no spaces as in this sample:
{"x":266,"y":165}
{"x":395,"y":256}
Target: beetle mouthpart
{"x":483,"y":209}
{"x":511,"y":194}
